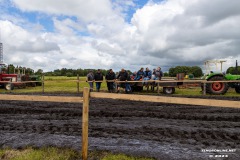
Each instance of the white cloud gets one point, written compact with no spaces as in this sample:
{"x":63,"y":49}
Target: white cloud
{"x":95,"y":34}
{"x":89,"y":10}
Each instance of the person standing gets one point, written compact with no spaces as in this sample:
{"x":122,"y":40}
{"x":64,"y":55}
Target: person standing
{"x":110,"y":77}
{"x":123,"y":76}
{"x":98,"y":77}
{"x":90,"y":78}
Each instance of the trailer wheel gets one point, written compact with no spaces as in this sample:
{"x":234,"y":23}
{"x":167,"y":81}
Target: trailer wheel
{"x":217,"y":87}
{"x":168,"y":90}
{"x":33,"y":84}
{"x":9,"y":86}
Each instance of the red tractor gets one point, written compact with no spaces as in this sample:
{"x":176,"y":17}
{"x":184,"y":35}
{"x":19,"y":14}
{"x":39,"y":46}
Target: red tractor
{"x":7,"y":79}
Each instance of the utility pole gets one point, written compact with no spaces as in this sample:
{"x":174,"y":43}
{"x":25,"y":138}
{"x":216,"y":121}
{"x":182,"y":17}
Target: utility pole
{"x":1,"y":53}
{"x":1,"y":48}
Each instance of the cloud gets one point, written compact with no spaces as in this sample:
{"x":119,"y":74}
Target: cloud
{"x":183,"y":32}
{"x":214,"y":11}
{"x":21,"y":40}
{"x":104,"y":34}
{"x":89,"y":10}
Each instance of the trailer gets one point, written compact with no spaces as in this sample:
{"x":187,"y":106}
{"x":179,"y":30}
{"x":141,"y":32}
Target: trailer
{"x":168,"y":85}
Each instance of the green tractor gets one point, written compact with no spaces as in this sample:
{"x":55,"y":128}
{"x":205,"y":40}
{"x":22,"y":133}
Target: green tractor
{"x":220,"y":87}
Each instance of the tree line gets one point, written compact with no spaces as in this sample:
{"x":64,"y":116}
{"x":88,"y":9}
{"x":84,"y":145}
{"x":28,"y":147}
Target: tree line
{"x":11,"y":69}
{"x":234,"y":70}
{"x":195,"y":70}
{"x":173,"y":71}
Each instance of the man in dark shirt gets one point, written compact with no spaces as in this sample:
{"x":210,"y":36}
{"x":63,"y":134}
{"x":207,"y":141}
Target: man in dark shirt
{"x":98,"y":77}
{"x":123,"y":76}
{"x":110,"y":77}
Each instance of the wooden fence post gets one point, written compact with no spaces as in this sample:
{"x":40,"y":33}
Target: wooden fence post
{"x":42,"y":83}
{"x":204,"y":88}
{"x":77,"y":83}
{"x":85,"y":110}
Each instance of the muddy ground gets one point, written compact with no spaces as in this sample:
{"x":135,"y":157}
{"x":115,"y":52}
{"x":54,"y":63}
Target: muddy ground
{"x":162,"y":131}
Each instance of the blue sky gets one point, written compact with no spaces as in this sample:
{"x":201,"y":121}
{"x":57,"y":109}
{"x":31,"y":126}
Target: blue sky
{"x":48,"y":35}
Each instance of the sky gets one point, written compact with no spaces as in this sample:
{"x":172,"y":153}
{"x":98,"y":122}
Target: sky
{"x":130,"y":34}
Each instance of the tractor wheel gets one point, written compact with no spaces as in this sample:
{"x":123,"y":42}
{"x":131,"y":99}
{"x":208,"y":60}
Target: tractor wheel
{"x":168,"y":90}
{"x":216,"y":87}
{"x":9,"y":86}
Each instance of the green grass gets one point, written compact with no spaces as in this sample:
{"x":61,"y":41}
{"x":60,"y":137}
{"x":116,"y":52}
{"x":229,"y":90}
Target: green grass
{"x":52,"y":153}
{"x":48,"y":153}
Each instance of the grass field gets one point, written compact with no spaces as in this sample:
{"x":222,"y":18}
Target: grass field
{"x":51,"y":153}
{"x":69,"y":85}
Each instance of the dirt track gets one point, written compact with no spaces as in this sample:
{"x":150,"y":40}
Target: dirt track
{"x":157,"y":130}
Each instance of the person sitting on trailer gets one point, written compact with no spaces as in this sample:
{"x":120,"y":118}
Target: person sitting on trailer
{"x":110,"y":76}
{"x":147,"y":74}
{"x":153,"y":74}
{"x":158,"y":74}
{"x":133,"y":75}
{"x":140,"y":75}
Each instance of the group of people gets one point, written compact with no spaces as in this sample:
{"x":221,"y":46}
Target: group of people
{"x":156,"y":74}
{"x":123,"y":75}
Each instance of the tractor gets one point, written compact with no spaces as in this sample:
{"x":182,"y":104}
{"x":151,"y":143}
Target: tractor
{"x":6,"y":79}
{"x":9,"y":81}
{"x":218,"y":88}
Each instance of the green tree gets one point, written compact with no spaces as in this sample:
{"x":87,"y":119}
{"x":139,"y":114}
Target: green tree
{"x":11,"y":68}
{"x":196,"y":71}
{"x":232,"y":70}
{"x":39,"y":72}
{"x":166,"y":74}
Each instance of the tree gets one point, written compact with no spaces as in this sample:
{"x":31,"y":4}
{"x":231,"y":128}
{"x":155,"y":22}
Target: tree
{"x":39,"y":72}
{"x":11,"y":68}
{"x":195,"y":70}
{"x":232,"y":70}
{"x":165,"y":74}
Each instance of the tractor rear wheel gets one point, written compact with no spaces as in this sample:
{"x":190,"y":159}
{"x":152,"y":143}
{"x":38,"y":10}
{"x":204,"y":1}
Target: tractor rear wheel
{"x":9,"y":86}
{"x":217,"y":87}
{"x":237,"y":89}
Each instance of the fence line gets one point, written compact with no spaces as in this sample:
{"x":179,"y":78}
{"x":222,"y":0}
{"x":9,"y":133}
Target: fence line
{"x":172,"y":100}
{"x":41,"y":98}
{"x":157,"y":82}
